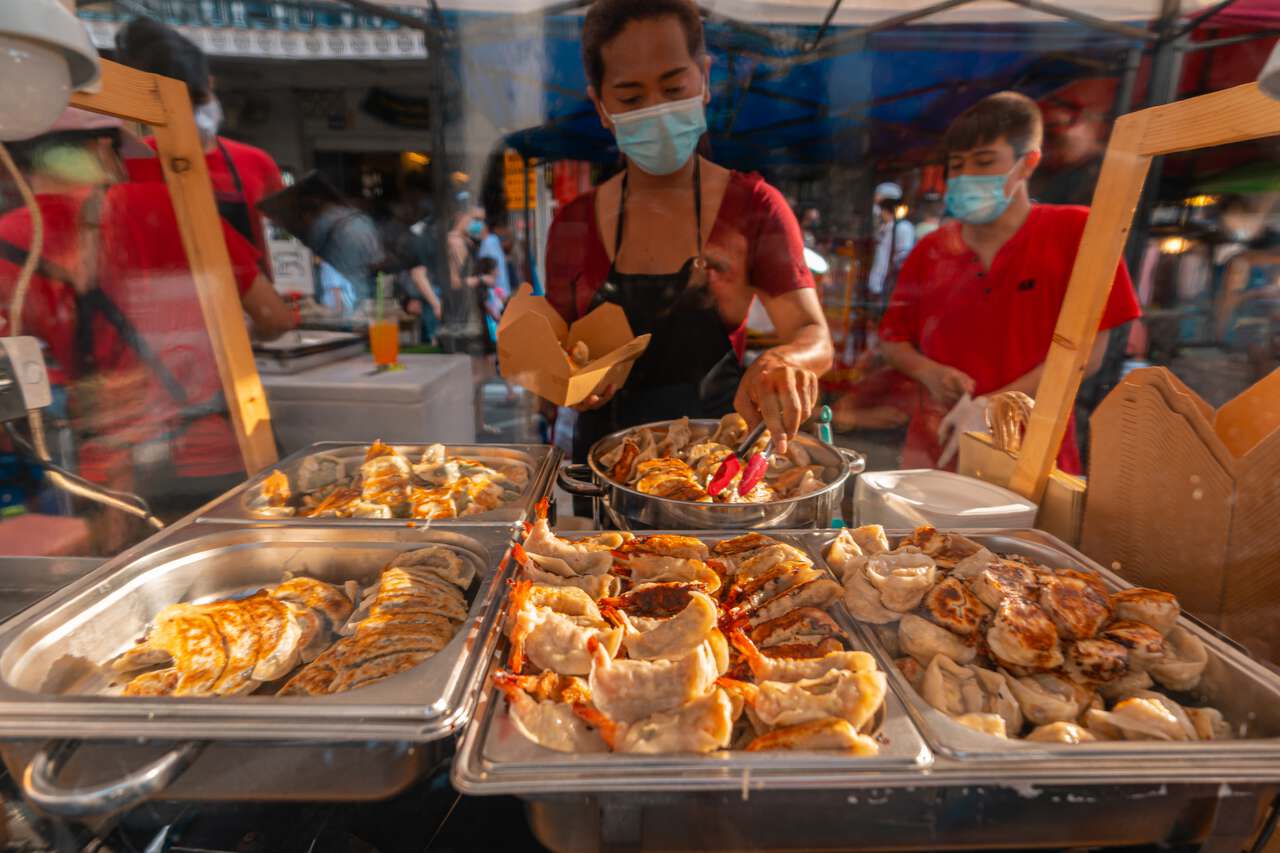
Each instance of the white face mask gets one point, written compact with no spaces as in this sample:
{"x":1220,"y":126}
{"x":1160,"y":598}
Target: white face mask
{"x":208,"y":118}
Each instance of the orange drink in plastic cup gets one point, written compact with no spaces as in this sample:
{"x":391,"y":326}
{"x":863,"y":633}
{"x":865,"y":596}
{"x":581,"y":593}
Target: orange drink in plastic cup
{"x":384,"y":341}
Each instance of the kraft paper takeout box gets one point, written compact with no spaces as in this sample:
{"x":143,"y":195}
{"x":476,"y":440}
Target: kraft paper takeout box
{"x":532,"y":338}
{"x":1187,"y":499}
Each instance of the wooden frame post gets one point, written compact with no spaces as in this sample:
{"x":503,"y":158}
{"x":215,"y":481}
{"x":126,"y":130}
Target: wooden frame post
{"x":1232,"y":115}
{"x":164,"y":105}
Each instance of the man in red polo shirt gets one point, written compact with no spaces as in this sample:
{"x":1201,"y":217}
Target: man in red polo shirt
{"x":977,"y":301}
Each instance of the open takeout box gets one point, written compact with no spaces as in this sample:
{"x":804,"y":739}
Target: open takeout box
{"x":1183,"y":497}
{"x":533,"y":339}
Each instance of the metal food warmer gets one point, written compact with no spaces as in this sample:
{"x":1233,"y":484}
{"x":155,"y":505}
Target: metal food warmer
{"x":625,"y":508}
{"x":58,"y":722}
{"x":541,"y":461}
{"x":930,"y":787}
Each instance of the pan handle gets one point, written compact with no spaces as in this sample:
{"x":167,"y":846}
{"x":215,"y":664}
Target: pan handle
{"x":857,"y":462}
{"x":40,"y":786}
{"x":571,"y":480}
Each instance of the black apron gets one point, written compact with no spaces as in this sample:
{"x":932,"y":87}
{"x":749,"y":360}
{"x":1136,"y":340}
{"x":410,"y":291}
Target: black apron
{"x":690,"y":366}
{"x":234,"y":209}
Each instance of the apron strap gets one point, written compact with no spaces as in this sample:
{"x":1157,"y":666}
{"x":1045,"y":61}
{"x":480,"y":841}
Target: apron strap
{"x":235,"y":173}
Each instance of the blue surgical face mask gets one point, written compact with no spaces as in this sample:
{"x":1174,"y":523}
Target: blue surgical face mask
{"x":208,"y":117}
{"x":660,"y":139}
{"x":978,"y":199}
{"x":475,"y":228}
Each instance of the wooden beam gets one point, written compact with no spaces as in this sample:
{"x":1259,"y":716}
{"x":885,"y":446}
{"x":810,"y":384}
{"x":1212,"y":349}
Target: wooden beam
{"x":1124,"y":171}
{"x":126,"y":93}
{"x":182,"y":158}
{"x":1219,"y":118}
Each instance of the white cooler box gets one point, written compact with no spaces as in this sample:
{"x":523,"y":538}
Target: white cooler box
{"x":430,"y":400}
{"x":948,"y":501}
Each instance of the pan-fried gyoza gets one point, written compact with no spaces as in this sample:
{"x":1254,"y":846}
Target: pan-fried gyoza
{"x":1012,"y":648}
{"x":698,"y":649}
{"x":679,"y":464}
{"x":388,"y":485}
{"x":329,"y":637}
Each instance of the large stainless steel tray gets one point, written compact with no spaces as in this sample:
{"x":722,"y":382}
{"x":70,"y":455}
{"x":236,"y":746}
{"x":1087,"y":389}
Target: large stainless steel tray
{"x":495,"y":758}
{"x":1247,"y":693}
{"x":363,"y":744}
{"x":50,"y":656}
{"x":541,"y":460}
{"x":627,"y":509}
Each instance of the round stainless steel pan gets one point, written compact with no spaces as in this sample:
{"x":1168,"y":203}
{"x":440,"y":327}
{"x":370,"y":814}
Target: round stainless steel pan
{"x":629,"y":509}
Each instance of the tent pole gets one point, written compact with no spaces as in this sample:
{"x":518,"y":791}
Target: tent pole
{"x":826,"y":22}
{"x":1204,"y":16}
{"x":1194,"y":46}
{"x":1085,"y":18}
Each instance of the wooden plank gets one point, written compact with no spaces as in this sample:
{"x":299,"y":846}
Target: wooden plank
{"x":187,"y":177}
{"x":125,"y":92}
{"x":1232,"y":115}
{"x":1124,"y":171}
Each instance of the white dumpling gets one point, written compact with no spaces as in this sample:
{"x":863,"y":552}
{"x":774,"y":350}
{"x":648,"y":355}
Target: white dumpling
{"x":871,"y":539}
{"x":1209,"y":723}
{"x":1151,"y":607}
{"x":675,"y":637}
{"x":844,"y":554}
{"x":957,"y":690}
{"x":552,"y":724}
{"x":987,"y":724}
{"x":582,"y":559}
{"x":1138,"y":719}
{"x":1060,"y":732}
{"x":1045,"y":698}
{"x":1125,"y":685}
{"x":1179,"y":713}
{"x":924,"y":640}
{"x":902,"y":579}
{"x":703,"y":725}
{"x":863,"y":600}
{"x":629,"y":690}
{"x":596,"y":586}
{"x":1183,"y":662}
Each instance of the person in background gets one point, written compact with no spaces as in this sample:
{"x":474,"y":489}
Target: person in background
{"x":931,"y":210}
{"x":115,"y":307}
{"x":241,"y":174}
{"x":497,"y":294}
{"x":894,"y":239}
{"x":463,"y":329}
{"x":810,"y":222}
{"x":1076,"y":127}
{"x":1246,"y":311}
{"x":977,"y":301}
{"x":350,"y":250}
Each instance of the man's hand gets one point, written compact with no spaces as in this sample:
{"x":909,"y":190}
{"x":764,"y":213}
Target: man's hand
{"x":595,"y":401}
{"x":968,"y":415}
{"x":780,"y":392}
{"x":946,"y":384}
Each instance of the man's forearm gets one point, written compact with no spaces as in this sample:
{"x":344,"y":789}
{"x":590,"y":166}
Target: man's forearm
{"x":905,"y":358}
{"x":810,"y":349}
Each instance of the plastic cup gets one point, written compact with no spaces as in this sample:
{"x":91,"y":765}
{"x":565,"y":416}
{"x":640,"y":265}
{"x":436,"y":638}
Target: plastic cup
{"x":384,"y":341}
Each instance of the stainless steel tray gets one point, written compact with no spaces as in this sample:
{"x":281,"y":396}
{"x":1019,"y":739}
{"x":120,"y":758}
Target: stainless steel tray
{"x":50,"y":655}
{"x":542,"y":461}
{"x":494,"y":758}
{"x":26,"y":580}
{"x":1247,"y":693}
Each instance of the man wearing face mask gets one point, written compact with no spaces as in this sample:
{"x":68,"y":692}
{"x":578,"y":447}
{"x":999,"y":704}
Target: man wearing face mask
{"x":681,"y":244}
{"x":241,"y":174}
{"x":976,"y":303}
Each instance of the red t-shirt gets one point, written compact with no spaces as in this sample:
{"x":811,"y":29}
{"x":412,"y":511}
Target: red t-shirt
{"x":143,"y":268}
{"x":259,"y":175}
{"x":752,"y":210}
{"x":995,"y":325}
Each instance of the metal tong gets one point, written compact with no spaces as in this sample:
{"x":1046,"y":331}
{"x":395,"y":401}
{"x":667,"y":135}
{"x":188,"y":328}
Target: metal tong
{"x":752,"y":471}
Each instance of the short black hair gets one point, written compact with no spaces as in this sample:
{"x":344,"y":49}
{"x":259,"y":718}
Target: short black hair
{"x":607,"y":18}
{"x":149,"y":45}
{"x":1004,"y":115}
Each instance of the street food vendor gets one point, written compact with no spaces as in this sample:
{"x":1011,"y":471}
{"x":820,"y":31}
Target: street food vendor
{"x":977,"y":301}
{"x":681,"y":244}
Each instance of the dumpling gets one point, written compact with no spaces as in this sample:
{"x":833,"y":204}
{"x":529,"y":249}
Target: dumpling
{"x":871,"y":539}
{"x":1126,"y":685}
{"x":1183,"y":662}
{"x":1209,"y":723}
{"x":852,"y":696}
{"x":1149,"y":606}
{"x":993,"y":579}
{"x":842,"y":553}
{"x":951,"y":605}
{"x":582,"y":559}
{"x":957,"y":690}
{"x":756,"y":563}
{"x":1139,"y":718}
{"x":987,"y":724}
{"x":703,"y":725}
{"x":630,"y":690}
{"x":1094,"y":660}
{"x":1145,"y":644}
{"x":946,"y":549}
{"x":1060,"y":732}
{"x":863,"y":600}
{"x":1023,"y":636}
{"x":1076,"y":608}
{"x":674,"y":637}
{"x":902,"y":579}
{"x":651,"y":568}
{"x":924,"y":640}
{"x":320,"y":470}
{"x":1046,"y":697}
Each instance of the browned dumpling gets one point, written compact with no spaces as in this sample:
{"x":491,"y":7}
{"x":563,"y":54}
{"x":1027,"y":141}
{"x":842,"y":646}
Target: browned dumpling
{"x":1149,"y":606}
{"x":1091,"y":578}
{"x":1145,"y":644}
{"x":951,"y":605}
{"x":1001,"y":579}
{"x":1095,"y":660}
{"x":1023,"y":636}
{"x":1076,"y":608}
{"x":946,"y":549}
